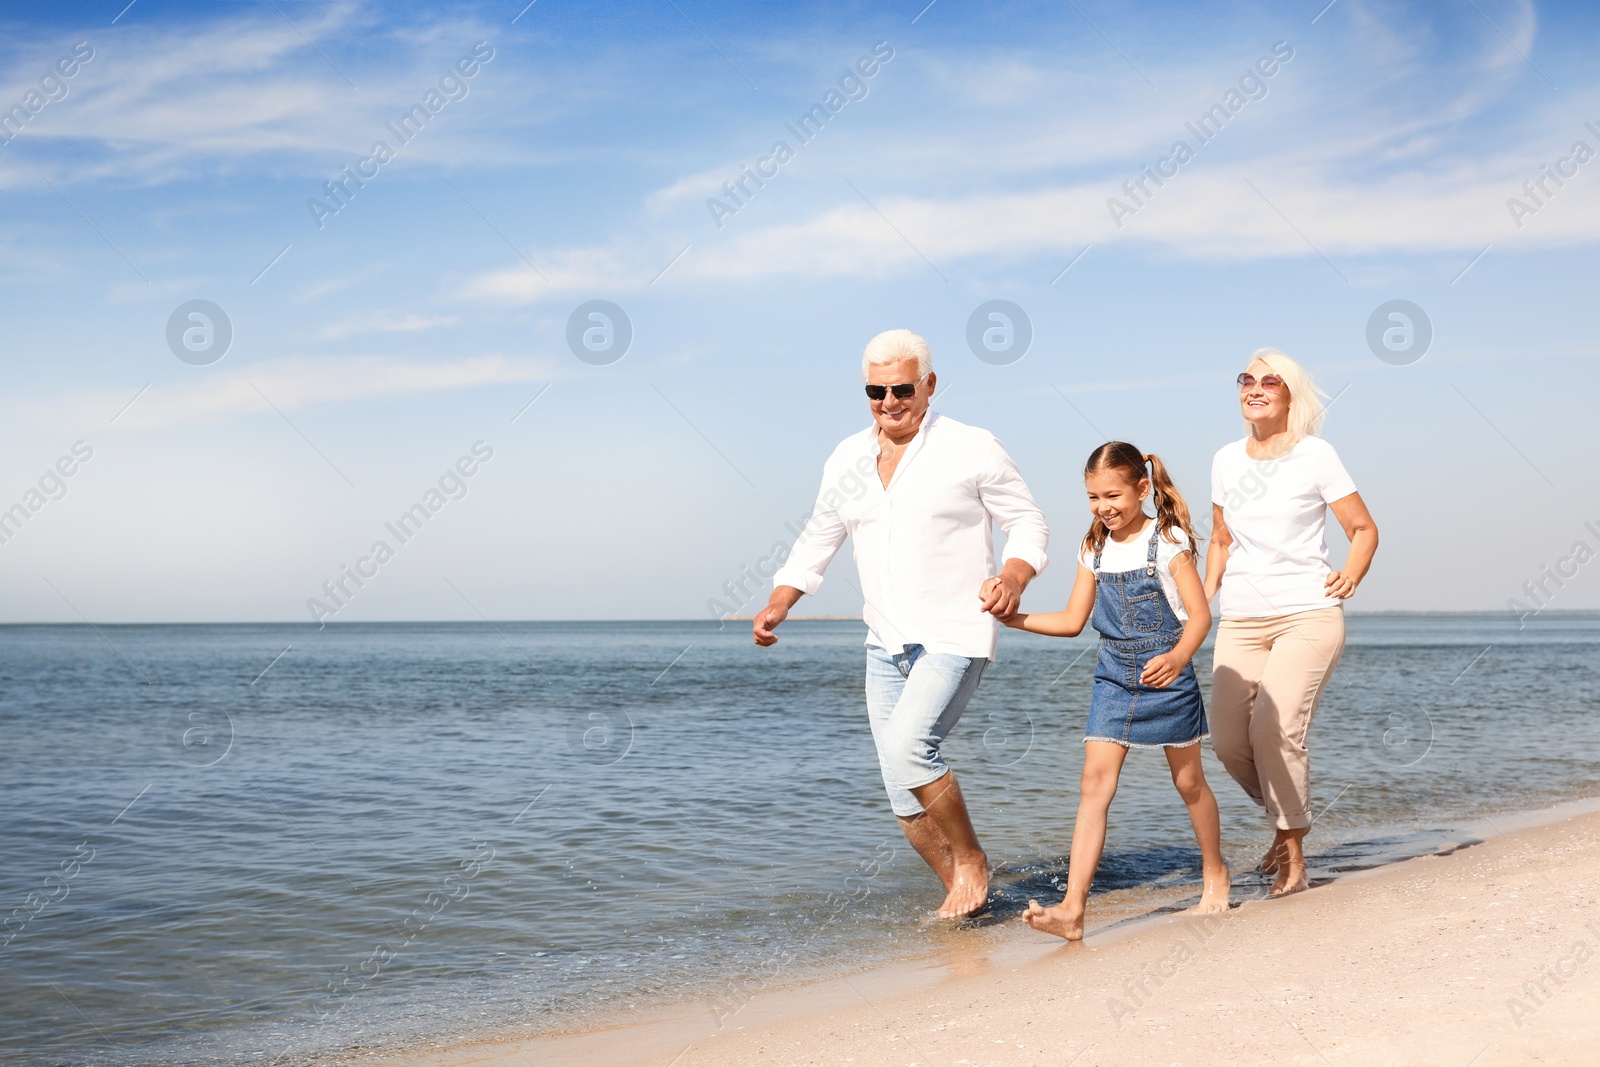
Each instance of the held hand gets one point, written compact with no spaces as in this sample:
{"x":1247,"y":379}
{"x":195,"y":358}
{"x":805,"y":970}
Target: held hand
{"x":1001,"y":597}
{"x":1161,"y":670}
{"x":767,"y":620}
{"x":1340,"y":585}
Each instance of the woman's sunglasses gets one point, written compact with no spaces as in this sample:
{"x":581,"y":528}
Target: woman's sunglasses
{"x":1270,"y":382}
{"x":903,"y":391}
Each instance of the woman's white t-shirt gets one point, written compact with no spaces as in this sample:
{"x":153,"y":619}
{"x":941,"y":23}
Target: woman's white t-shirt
{"x":1134,"y":553}
{"x":1276,"y":511}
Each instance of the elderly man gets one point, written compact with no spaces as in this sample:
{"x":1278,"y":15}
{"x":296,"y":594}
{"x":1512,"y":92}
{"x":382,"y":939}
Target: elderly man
{"x":919,"y":493}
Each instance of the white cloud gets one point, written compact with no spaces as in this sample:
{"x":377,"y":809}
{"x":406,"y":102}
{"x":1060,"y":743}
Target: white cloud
{"x":695,"y":187}
{"x":155,"y":105}
{"x":1366,"y":144}
{"x":563,"y":271}
{"x":298,"y":383}
{"x":1202,"y":214}
{"x":383,"y":322}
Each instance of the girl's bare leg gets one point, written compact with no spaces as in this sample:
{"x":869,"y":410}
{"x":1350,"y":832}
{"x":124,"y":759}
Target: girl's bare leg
{"x":1189,"y":776}
{"x":1102,"y":766}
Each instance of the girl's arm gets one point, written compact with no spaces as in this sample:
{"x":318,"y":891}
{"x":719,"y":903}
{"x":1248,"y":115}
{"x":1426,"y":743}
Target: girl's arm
{"x":1068,"y":622}
{"x":1216,"y":555}
{"x":1162,"y":669}
{"x":1352,"y":513}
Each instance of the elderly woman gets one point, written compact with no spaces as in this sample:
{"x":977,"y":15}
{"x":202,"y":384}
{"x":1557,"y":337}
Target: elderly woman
{"x":1282,"y":628}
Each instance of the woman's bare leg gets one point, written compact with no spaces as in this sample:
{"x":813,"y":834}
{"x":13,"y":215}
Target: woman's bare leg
{"x":1292,"y":869}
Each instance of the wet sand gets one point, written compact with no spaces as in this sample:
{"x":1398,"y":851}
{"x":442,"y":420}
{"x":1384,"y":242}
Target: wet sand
{"x":1484,"y":956}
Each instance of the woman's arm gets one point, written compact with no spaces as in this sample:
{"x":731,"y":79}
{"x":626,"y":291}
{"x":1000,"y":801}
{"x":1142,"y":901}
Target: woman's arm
{"x":1352,"y":513}
{"x":1216,"y":555}
{"x":1068,"y":622}
{"x":1162,"y":669}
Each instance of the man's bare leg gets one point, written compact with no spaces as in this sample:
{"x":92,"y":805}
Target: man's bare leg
{"x":931,"y":844}
{"x":968,"y":884}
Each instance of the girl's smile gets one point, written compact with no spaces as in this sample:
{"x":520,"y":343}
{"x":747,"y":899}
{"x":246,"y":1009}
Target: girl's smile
{"x":1117,"y":502}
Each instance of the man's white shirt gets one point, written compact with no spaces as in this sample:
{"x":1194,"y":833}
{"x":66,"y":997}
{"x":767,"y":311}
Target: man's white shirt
{"x":925,"y":544}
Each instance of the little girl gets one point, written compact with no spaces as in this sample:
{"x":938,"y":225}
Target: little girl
{"x":1137,"y":575}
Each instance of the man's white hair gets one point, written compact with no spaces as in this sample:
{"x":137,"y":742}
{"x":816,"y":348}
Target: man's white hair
{"x":892,"y":346}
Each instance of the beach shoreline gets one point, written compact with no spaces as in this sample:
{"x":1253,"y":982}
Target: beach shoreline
{"x":1476,"y":954}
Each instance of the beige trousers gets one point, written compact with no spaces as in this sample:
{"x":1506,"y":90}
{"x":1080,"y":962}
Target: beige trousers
{"x":1267,"y":677}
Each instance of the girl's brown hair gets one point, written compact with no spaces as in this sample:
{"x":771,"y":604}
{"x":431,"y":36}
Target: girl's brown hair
{"x":1172,"y":514}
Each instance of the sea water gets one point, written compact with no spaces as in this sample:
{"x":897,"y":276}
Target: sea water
{"x":275,"y":845}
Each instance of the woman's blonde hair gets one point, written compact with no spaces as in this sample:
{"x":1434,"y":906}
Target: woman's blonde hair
{"x":1306,"y":409}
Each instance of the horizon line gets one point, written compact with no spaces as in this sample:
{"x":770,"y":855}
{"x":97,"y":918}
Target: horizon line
{"x":1478,"y":612}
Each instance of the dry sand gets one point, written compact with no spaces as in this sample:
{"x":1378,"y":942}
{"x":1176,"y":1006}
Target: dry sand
{"x":1489,"y":955}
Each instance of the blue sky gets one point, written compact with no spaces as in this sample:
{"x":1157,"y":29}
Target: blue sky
{"x":369,"y":354}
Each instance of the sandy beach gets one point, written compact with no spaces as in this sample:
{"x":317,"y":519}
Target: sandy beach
{"x":1483,"y":956}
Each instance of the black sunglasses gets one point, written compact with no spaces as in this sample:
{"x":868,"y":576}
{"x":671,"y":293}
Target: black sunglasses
{"x":903,"y":391}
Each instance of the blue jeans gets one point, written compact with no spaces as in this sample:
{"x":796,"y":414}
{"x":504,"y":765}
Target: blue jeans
{"x":914,"y":699}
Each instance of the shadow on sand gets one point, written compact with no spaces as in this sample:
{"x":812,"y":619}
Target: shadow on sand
{"x":1166,"y":880}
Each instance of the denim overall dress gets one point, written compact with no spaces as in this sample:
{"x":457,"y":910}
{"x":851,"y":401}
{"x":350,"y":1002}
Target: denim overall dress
{"x":1136,"y":625}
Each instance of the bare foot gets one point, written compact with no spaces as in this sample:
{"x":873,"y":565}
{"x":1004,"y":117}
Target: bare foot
{"x":1291,"y":879}
{"x":1061,"y":920}
{"x":1214,"y":894}
{"x":1273,"y":857}
{"x":969,"y":890}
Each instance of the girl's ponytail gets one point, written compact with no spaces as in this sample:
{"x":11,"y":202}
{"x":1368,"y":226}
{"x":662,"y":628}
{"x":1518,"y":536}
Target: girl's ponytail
{"x":1095,"y":539}
{"x":1171,"y":511}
